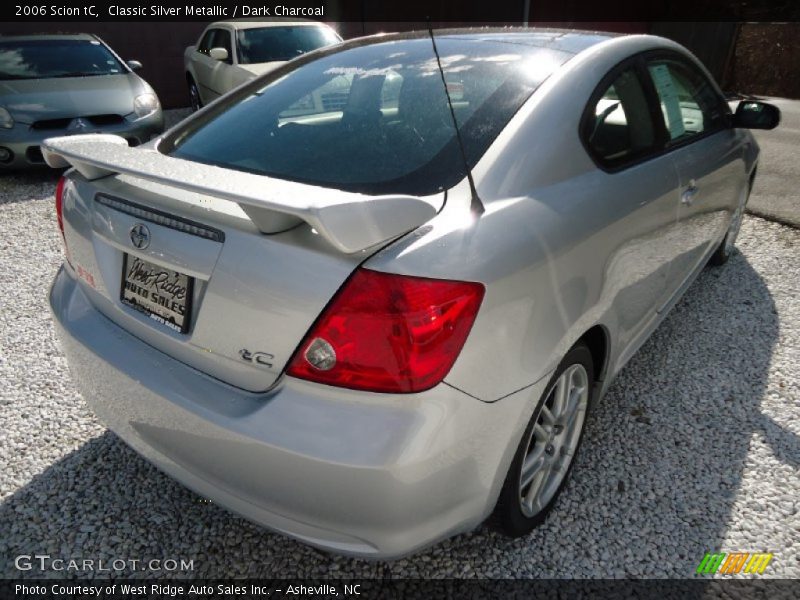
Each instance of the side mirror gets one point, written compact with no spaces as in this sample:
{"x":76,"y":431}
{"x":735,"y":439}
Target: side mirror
{"x":134,"y":65}
{"x":220,"y":54}
{"x":756,"y":115}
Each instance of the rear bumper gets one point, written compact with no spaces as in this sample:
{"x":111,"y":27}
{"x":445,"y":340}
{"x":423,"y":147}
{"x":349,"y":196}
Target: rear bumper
{"x":23,"y":142}
{"x":369,"y":475}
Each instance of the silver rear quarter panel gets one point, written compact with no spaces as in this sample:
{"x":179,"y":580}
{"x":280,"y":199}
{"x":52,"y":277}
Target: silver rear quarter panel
{"x":563,"y":245}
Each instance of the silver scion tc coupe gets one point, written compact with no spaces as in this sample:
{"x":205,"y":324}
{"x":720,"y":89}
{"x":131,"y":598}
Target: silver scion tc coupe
{"x":372,"y":325}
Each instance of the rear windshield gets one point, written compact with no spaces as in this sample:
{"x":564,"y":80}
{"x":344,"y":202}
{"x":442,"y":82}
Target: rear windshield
{"x":373,"y":118}
{"x":267,"y":44}
{"x":39,"y":59}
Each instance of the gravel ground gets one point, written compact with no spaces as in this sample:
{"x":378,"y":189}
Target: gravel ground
{"x":172,"y":117}
{"x":696,"y":448}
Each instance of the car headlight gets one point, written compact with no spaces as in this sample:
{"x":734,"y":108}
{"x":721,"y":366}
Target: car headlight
{"x":145,"y":104}
{"x":6,"y":120}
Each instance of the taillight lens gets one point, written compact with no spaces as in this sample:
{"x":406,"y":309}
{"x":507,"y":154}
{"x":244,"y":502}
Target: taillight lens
{"x":389,"y":333}
{"x":60,"y":204}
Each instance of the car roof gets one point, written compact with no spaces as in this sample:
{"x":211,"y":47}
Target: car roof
{"x":48,"y":36}
{"x":261,"y":23}
{"x":571,"y":41}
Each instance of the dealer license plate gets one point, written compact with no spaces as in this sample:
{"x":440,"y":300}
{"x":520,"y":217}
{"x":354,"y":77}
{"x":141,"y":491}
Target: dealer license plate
{"x":162,"y":294}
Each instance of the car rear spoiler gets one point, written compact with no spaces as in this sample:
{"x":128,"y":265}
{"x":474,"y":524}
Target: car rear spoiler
{"x":349,"y":221}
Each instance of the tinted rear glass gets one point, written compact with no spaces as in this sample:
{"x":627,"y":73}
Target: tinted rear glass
{"x":39,"y":59}
{"x":267,"y":44}
{"x":373,"y":118}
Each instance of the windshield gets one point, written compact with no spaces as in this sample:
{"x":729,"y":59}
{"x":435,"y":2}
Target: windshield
{"x":267,"y":44}
{"x":372,"y":118}
{"x":39,"y":59}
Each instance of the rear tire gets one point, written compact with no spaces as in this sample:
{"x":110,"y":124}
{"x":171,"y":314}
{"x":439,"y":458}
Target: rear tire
{"x":194,"y":96}
{"x":546,"y":453}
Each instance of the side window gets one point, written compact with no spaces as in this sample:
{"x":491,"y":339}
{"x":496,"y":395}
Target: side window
{"x":222,"y":39}
{"x":329,"y":99}
{"x":618,"y":127}
{"x":345,"y":93}
{"x":206,"y":43}
{"x":390,"y":92}
{"x":688,"y":101}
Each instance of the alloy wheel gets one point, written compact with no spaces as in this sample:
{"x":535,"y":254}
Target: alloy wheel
{"x":553,"y":440}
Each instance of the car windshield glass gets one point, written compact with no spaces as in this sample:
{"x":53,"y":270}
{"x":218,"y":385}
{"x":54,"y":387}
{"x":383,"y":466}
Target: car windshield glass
{"x":372,"y":118}
{"x":39,"y":59}
{"x":267,"y":44}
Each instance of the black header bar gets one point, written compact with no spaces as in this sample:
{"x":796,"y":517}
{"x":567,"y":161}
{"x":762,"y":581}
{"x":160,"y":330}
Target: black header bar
{"x":405,"y":589}
{"x":388,"y":11}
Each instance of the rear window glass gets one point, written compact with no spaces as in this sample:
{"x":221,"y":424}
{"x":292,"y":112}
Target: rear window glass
{"x":39,"y":59}
{"x":373,"y":118}
{"x":267,"y":44}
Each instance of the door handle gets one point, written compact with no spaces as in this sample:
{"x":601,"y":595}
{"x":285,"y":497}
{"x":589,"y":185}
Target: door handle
{"x":687,"y":197}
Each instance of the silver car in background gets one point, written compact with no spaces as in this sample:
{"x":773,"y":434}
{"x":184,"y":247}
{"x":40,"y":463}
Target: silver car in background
{"x":374,"y":325}
{"x":230,"y":53}
{"x":68,"y":84}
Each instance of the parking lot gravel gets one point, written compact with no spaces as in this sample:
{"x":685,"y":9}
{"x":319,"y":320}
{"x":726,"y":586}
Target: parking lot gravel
{"x":696,"y":448}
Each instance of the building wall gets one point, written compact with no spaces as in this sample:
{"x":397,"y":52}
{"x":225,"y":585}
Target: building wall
{"x":766,"y":60}
{"x":711,"y":42}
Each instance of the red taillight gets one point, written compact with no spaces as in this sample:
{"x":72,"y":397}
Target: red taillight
{"x":389,"y":333}
{"x":60,"y":204}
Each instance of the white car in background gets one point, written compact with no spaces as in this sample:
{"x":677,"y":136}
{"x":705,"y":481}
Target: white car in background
{"x":232,"y":52}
